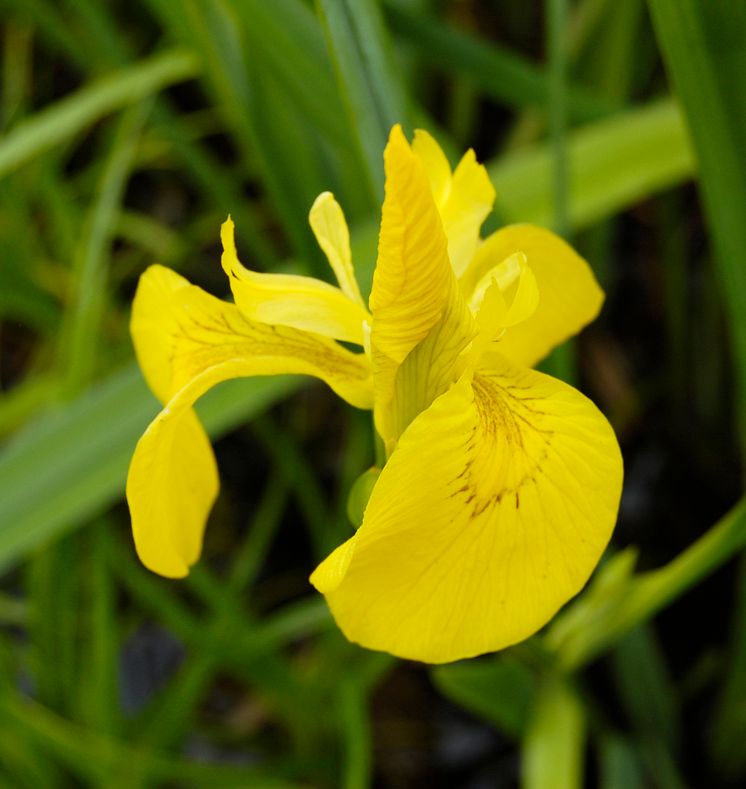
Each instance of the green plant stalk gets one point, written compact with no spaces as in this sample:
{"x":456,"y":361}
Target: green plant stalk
{"x":613,"y":163}
{"x":552,"y":750}
{"x":556,"y":15}
{"x":81,"y":327}
{"x":647,"y":593}
{"x":703,"y":43}
{"x":367,"y":78}
{"x":60,"y":122}
{"x":96,"y":757}
{"x":498,"y":72}
{"x":561,"y":362}
{"x":355,"y":731}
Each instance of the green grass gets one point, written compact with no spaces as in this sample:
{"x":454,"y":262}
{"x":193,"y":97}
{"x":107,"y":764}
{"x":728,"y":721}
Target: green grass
{"x":127,"y":135}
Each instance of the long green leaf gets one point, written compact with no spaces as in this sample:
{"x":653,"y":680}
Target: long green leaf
{"x":291,"y":43}
{"x":595,"y":622}
{"x":500,"y":689}
{"x":613,"y":164}
{"x":367,"y":77}
{"x":499,"y":72}
{"x":553,"y":747}
{"x":704,"y":48}
{"x":82,"y":322}
{"x":71,"y":464}
{"x":61,"y":121}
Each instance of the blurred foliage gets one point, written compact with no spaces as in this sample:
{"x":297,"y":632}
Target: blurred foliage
{"x":128,"y":131}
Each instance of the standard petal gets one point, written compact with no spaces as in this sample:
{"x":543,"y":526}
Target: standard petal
{"x":419,"y":314}
{"x":290,"y":300}
{"x":569,"y":296}
{"x":330,"y":228}
{"x":464,"y":198}
{"x":491,"y":513}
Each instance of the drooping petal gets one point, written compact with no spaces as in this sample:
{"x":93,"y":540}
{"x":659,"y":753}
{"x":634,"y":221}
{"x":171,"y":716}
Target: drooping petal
{"x":188,"y":341}
{"x":291,"y":300}
{"x":490,"y":514}
{"x":464,"y":198}
{"x":171,"y":486}
{"x":190,"y":331}
{"x":421,"y":323}
{"x":569,"y":296}
{"x":330,"y":228}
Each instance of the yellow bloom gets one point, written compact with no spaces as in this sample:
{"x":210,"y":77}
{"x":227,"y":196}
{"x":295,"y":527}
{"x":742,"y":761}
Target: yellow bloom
{"x":502,"y":484}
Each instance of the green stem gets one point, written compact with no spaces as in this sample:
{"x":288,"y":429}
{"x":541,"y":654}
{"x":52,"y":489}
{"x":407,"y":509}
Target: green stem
{"x":648,"y":593}
{"x":556,"y":16}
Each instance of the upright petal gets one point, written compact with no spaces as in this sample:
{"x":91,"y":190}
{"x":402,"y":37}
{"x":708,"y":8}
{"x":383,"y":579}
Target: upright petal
{"x":418,"y":312}
{"x":491,"y":513}
{"x":569,"y":296}
{"x":464,"y":198}
{"x":290,"y":300}
{"x":330,"y":228}
{"x":188,"y":341}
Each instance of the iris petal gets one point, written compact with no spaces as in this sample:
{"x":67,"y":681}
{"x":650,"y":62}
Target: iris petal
{"x":421,"y":323}
{"x":569,"y":296}
{"x":290,"y":300}
{"x":188,"y":341}
{"x":490,"y":514}
{"x":330,"y":228}
{"x":464,"y":197}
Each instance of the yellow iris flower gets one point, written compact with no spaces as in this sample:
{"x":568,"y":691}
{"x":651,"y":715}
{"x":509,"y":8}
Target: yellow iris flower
{"x":502,"y":484}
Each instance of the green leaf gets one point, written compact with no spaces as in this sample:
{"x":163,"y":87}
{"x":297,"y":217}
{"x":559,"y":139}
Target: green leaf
{"x":367,"y":76}
{"x":71,"y":464}
{"x":499,"y":689}
{"x":61,"y":121}
{"x":703,"y":43}
{"x":591,"y":625}
{"x":553,"y":748}
{"x":81,"y":326}
{"x":291,"y":43}
{"x":619,"y":765}
{"x":499,"y":72}
{"x":648,"y":696}
{"x":613,"y":163}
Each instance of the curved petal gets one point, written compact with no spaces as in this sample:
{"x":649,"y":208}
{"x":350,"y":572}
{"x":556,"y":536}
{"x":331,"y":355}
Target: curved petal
{"x":188,"y":341}
{"x":491,"y":513}
{"x":464,"y":198}
{"x":421,"y":324}
{"x":172,"y":484}
{"x":290,"y":300}
{"x":569,"y":296}
{"x":333,"y":236}
{"x":181,"y":330}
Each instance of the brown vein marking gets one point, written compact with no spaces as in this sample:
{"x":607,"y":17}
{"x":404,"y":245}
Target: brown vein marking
{"x":259,"y":339}
{"x":503,"y":417}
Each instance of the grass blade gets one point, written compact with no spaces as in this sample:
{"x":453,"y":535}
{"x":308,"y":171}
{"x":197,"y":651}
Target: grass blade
{"x":367,"y":77}
{"x":704,"y":47}
{"x":82,"y":323}
{"x":637,"y":600}
{"x":498,"y":72}
{"x":613,"y":163}
{"x":71,"y":464}
{"x":61,"y":121}
{"x":553,"y":746}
